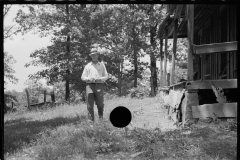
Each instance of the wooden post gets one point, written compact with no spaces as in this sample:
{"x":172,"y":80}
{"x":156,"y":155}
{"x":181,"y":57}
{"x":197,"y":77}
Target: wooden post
{"x":161,"y":53}
{"x":44,"y":97}
{"x":168,"y":79}
{"x":174,"y":51}
{"x":28,"y":98}
{"x":165,"y":58}
{"x":190,"y":18}
{"x":53,"y":96}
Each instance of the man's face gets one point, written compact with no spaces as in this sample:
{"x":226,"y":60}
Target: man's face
{"x":94,"y":57}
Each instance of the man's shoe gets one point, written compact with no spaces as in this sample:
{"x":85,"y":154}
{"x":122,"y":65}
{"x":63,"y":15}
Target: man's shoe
{"x":100,"y":119}
{"x":90,"y":121}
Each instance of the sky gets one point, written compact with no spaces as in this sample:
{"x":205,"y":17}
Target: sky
{"x":20,"y":47}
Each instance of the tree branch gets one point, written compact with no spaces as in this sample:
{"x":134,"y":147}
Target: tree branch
{"x":6,"y":10}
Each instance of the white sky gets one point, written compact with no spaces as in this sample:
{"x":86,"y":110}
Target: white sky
{"x":21,"y":47}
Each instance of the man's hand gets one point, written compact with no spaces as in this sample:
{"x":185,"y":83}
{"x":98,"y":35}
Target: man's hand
{"x":90,"y":80}
{"x":98,"y":80}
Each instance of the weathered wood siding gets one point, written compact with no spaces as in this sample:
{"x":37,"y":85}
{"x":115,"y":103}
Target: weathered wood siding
{"x":215,"y":24}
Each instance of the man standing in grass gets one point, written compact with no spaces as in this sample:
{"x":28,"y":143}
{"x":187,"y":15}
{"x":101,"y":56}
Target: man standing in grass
{"x":94,"y":74}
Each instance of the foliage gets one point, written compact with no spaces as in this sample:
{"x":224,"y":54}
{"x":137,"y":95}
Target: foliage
{"x":9,"y":30}
{"x":181,"y":52}
{"x":8,"y":71}
{"x":9,"y":75}
{"x":142,"y":90}
{"x":180,"y":74}
{"x":11,"y":97}
{"x":122,"y":32}
{"x":36,"y":91}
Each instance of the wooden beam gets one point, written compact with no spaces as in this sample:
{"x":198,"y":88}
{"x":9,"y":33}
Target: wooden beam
{"x":174,"y":51}
{"x":42,"y":103}
{"x":215,"y":110}
{"x":165,"y":59}
{"x":160,"y":60}
{"x":224,"y":83}
{"x":215,"y":47}
{"x":190,"y":18}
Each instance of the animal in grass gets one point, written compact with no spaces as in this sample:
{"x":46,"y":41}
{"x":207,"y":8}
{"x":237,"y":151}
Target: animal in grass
{"x":219,"y":93}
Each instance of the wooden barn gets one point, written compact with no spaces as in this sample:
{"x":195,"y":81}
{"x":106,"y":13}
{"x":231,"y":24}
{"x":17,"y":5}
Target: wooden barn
{"x":211,"y":87}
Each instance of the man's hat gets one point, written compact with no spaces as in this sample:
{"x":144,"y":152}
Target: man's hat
{"x":93,"y":51}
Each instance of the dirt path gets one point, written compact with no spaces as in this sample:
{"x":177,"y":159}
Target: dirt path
{"x":152,"y":117}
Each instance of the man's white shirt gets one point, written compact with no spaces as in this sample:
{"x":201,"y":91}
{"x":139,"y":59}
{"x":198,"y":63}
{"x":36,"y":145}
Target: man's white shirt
{"x":96,"y":71}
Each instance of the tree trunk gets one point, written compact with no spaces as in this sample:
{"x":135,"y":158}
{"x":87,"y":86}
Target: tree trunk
{"x":190,"y":18}
{"x":153,"y":59}
{"x":153,"y":75}
{"x":152,"y":87}
{"x":67,"y":96}
{"x":28,"y":98}
{"x":135,"y":64}
{"x":161,"y":70}
{"x":134,"y":49}
{"x":165,"y":59}
{"x":44,"y":98}
{"x":174,"y":51}
{"x":120,"y":79}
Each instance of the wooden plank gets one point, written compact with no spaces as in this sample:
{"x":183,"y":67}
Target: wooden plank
{"x":215,"y":47}
{"x":190,"y":17}
{"x":174,"y":51}
{"x":42,"y":103}
{"x":165,"y":59}
{"x":217,"y":109}
{"x":224,"y":83}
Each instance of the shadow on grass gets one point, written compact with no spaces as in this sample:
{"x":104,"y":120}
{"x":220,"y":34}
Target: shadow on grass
{"x":21,"y":132}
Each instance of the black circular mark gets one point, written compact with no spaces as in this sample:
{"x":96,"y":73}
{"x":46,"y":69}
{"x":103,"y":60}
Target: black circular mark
{"x":120,"y":117}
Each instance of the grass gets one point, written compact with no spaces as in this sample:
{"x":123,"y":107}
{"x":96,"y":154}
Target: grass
{"x":64,"y":133}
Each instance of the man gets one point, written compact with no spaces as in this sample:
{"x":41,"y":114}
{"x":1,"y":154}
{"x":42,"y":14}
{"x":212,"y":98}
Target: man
{"x":94,"y":74}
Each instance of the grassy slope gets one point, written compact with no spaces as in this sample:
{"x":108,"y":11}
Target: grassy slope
{"x":64,"y":133}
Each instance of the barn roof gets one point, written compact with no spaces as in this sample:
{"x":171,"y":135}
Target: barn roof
{"x":179,"y":11}
{"x":174,"y":11}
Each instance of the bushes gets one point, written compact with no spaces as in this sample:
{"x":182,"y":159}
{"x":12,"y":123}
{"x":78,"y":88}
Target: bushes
{"x":139,"y":92}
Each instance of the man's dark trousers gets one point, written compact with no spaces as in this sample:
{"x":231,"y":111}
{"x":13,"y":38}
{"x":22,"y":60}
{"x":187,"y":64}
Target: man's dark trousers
{"x":94,"y":92}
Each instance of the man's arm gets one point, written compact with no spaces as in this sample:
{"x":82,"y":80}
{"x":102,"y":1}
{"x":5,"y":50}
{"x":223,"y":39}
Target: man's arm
{"x":84,"y":76}
{"x":105,"y":73}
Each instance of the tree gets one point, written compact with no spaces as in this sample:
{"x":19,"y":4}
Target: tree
{"x":58,"y":58}
{"x":153,"y":15}
{"x":9,"y":30}
{"x":8,"y":71}
{"x":36,"y":91}
{"x":122,"y":31}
